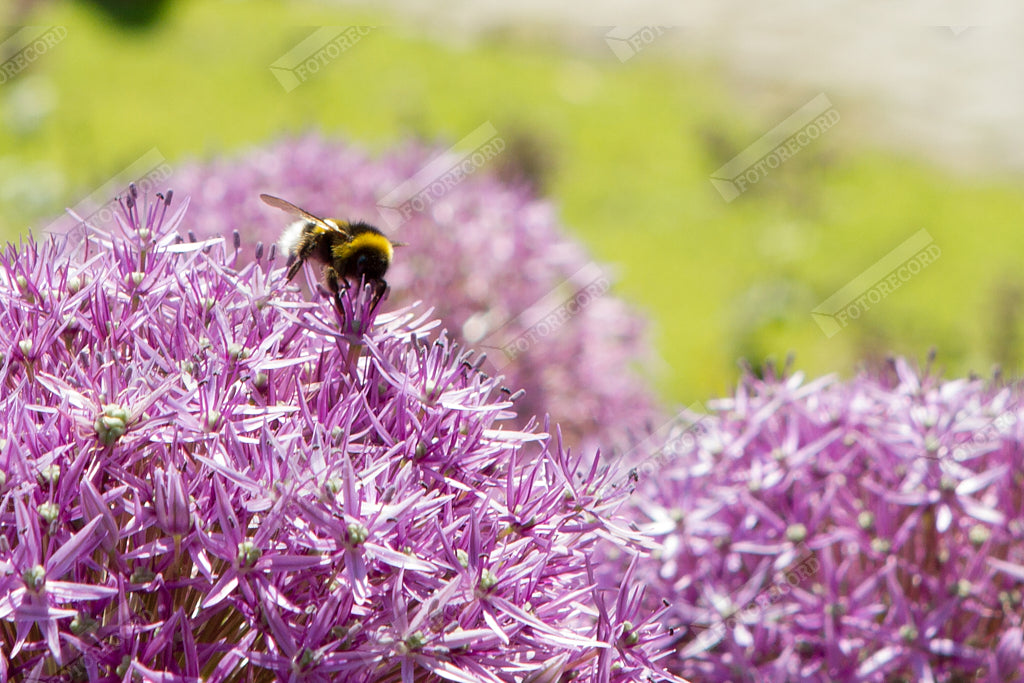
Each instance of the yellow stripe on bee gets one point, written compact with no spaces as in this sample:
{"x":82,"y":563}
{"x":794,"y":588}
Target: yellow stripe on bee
{"x":365,"y":240}
{"x":338,"y":226}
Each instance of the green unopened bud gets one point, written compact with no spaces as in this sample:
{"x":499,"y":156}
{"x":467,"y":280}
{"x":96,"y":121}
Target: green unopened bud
{"x":835,"y":609}
{"x":49,"y":474}
{"x":248,"y":554}
{"x":960,"y":588}
{"x":48,"y":511}
{"x":357,"y":534}
{"x":25,"y":346}
{"x":796,"y":533}
{"x":34,"y":578}
{"x":629,"y":637}
{"x":82,"y":624}
{"x":978,"y":534}
{"x":111,"y":424}
{"x":415,"y":641}
{"x":122,"y":668}
{"x":488,"y":580}
{"x":866,"y":520}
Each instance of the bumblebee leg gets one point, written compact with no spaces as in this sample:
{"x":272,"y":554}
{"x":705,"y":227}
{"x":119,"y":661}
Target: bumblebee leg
{"x":335,"y":285}
{"x":303,"y":250}
{"x":293,"y":269}
{"x":332,"y":280}
{"x":380,"y":287}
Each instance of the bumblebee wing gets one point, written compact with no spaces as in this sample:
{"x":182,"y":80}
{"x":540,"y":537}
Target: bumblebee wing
{"x":285,"y":205}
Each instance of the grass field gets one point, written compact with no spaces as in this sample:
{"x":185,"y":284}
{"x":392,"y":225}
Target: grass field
{"x":625,"y":150}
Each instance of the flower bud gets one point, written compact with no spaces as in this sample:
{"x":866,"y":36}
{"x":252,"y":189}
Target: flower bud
{"x":171,"y":502}
{"x":111,"y":424}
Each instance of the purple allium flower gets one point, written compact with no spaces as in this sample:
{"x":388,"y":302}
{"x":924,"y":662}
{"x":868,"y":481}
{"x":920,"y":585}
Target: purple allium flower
{"x":204,"y":476}
{"x":486,"y":256}
{"x":870,"y":530}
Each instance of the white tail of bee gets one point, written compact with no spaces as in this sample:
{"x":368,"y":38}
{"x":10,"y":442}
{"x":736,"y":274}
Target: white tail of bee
{"x":291,"y":236}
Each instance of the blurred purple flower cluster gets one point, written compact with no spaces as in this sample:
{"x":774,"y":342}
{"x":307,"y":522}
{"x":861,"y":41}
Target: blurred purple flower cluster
{"x":870,"y":530}
{"x":490,"y":259}
{"x":203,"y":476}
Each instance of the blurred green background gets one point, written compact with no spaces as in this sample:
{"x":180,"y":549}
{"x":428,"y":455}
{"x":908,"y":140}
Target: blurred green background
{"x":625,"y":150}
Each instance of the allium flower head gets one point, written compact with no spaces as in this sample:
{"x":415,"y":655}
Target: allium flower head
{"x":486,"y":256}
{"x":205,"y":476}
{"x":870,"y":530}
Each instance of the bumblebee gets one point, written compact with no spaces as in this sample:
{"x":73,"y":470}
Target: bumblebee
{"x":348,"y":251}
